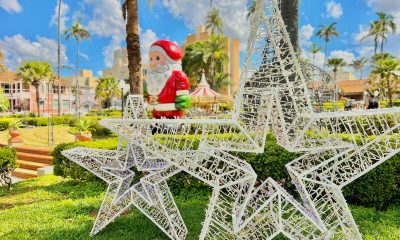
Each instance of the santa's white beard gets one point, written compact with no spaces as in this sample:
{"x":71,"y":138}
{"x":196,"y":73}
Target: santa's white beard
{"x":158,"y":77}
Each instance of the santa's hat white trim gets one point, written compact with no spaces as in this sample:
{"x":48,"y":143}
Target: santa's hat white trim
{"x":163,"y":52}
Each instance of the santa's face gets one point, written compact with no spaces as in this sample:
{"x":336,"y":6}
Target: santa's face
{"x":160,"y":72}
{"x":156,"y":58}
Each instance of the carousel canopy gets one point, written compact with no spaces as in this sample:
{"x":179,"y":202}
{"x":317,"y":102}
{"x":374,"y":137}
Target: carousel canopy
{"x":204,"y":90}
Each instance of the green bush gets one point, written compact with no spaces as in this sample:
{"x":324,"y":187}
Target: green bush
{"x":66,"y":168}
{"x":4,"y":124}
{"x":7,"y":164}
{"x":379,"y":188}
{"x":7,"y":158}
{"x":100,"y":131}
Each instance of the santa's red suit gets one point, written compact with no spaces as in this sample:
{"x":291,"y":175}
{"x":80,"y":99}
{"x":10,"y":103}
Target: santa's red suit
{"x":164,"y":87}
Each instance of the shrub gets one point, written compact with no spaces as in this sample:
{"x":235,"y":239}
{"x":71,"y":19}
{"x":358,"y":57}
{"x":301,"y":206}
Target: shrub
{"x":66,"y":168}
{"x":100,"y":131}
{"x":379,"y":188}
{"x":7,"y":164}
{"x":4,"y":123}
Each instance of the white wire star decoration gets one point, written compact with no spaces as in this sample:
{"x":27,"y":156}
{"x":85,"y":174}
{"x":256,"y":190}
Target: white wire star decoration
{"x":273,"y":96}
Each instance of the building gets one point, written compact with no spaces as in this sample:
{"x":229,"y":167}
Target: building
{"x":87,"y":85}
{"x":343,"y":76}
{"x":353,"y":89}
{"x":120,"y":68}
{"x":22,"y":96}
{"x":232,"y":67}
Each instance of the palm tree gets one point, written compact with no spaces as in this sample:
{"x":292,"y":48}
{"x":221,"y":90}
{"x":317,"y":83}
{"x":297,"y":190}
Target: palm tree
{"x":214,"y":22}
{"x":336,"y":63}
{"x":131,"y":16}
{"x":106,"y":89}
{"x":359,"y":65}
{"x":314,"y":50}
{"x":327,"y":32}
{"x":375,"y":32}
{"x":387,"y":70}
{"x":3,"y":68}
{"x":375,"y":58}
{"x":78,"y":32}
{"x":34,"y":73}
{"x":210,"y":56}
{"x":387,"y":23}
{"x":290,"y":16}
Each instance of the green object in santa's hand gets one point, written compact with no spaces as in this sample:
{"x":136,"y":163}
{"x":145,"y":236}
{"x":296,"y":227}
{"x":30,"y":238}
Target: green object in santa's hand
{"x":183,"y":101}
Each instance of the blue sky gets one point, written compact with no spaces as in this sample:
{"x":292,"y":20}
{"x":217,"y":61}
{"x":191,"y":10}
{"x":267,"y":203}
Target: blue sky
{"x":28,"y":30}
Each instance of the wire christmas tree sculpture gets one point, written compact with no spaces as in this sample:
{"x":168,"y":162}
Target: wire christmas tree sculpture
{"x":273,"y":96}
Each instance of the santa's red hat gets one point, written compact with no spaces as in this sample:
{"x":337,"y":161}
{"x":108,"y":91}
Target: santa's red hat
{"x":169,"y":49}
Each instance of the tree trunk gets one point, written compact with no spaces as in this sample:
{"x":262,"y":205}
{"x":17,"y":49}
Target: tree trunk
{"x":389,"y":92}
{"x":77,"y":100}
{"x":133,"y":47}
{"x":290,"y":15}
{"x":376,"y":45}
{"x":382,"y":46}
{"x":37,"y":99}
{"x":326,"y":52}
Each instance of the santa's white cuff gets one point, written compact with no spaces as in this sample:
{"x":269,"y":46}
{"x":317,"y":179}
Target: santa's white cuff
{"x":182,"y":92}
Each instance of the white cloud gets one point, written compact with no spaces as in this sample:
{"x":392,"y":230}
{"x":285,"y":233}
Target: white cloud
{"x":63,"y":16}
{"x":18,"y":49}
{"x":319,"y":58}
{"x":11,"y":6}
{"x":306,"y":32}
{"x":233,"y":13}
{"x":334,"y":9}
{"x":146,"y":39}
{"x":347,"y":56}
{"x":106,"y":19}
{"x":362,"y":33}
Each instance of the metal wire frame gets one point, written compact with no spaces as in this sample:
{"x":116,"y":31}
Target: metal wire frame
{"x":273,"y":96}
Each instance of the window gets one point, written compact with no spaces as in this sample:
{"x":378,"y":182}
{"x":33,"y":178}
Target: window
{"x":66,"y":104}
{"x":55,"y":104}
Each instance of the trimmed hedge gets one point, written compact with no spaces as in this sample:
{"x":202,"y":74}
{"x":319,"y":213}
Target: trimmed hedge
{"x":379,"y":188}
{"x":66,"y":168}
{"x":8,"y":158}
{"x":7,"y":164}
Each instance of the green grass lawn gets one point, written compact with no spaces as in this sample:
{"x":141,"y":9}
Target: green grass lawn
{"x":56,"y":208}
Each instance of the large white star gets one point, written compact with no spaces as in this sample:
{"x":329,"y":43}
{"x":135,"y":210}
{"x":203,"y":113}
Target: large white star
{"x":273,"y":95}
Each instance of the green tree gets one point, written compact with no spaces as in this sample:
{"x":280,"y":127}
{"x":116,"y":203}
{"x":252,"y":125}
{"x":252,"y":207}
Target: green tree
{"x":34,"y":73}
{"x":387,"y":24}
{"x":336,"y":63}
{"x":379,"y":56}
{"x":79,"y":33}
{"x":387,"y":69}
{"x":359,"y":65}
{"x":214,"y":22}
{"x":375,"y":32}
{"x":210,"y":56}
{"x":327,"y":32}
{"x":4,"y":102}
{"x":314,"y":50}
{"x":131,"y":16}
{"x":106,"y":89}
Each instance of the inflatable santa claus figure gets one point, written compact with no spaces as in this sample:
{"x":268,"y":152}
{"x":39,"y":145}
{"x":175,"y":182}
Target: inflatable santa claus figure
{"x":167,"y":86}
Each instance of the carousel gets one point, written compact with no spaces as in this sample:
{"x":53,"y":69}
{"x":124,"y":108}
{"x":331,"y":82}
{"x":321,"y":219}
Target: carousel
{"x":206,"y":98}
